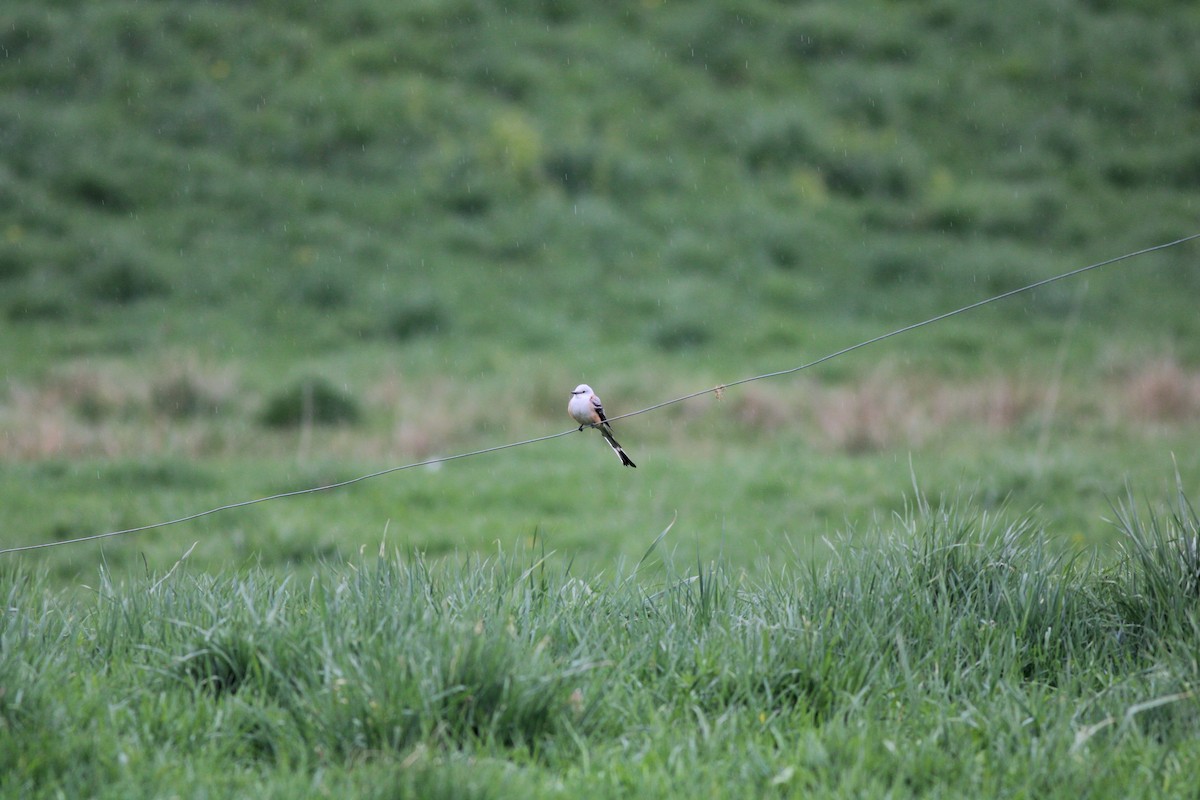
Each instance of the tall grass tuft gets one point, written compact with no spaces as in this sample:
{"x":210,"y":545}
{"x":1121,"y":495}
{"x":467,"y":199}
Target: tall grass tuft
{"x":1159,"y":575}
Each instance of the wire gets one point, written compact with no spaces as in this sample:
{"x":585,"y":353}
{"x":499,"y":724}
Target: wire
{"x":281,"y":495}
{"x":913,"y":327}
{"x":716,"y":389}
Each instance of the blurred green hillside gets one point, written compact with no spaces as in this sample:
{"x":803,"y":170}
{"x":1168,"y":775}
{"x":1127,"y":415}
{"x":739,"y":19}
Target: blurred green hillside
{"x":254,"y":247}
{"x":728,"y":179}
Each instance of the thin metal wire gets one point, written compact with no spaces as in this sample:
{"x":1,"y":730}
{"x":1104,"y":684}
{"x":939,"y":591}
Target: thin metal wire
{"x":914,"y":326}
{"x":647,"y":409}
{"x":281,"y":495}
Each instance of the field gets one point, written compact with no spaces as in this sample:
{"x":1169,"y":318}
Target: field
{"x":248,"y":249}
{"x":949,"y":655}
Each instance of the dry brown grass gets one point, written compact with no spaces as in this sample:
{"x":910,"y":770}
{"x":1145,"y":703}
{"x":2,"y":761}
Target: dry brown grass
{"x":1161,"y":391}
{"x":108,"y":411}
{"x":888,"y":409}
{"x":190,"y":409}
{"x":420,"y":422}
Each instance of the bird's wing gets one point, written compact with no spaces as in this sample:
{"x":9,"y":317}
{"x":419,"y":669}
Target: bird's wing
{"x":598,"y":407}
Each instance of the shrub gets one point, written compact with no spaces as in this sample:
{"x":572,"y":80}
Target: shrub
{"x":185,"y":394}
{"x":416,"y":317}
{"x":680,"y":335}
{"x":13,"y":263}
{"x":310,"y":401}
{"x":123,"y":281}
{"x":324,"y":291}
{"x":32,"y":305}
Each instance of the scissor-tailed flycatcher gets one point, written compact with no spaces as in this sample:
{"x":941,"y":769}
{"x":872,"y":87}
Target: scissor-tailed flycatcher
{"x":586,"y":409}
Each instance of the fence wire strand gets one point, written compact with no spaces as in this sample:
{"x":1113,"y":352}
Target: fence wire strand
{"x":715,"y":389}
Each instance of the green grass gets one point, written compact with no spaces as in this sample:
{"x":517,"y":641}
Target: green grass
{"x":247,"y":249}
{"x":948,"y":652}
{"x":735,"y":503}
{"x":747,"y":180}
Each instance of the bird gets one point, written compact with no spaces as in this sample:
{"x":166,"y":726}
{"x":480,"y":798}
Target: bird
{"x":586,"y":409}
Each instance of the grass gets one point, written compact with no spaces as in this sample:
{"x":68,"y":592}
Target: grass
{"x":947,"y":651}
{"x":250,"y":249}
{"x":257,"y":184}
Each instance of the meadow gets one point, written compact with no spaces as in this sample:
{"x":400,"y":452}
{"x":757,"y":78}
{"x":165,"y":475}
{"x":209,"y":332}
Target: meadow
{"x":951,"y":654}
{"x":251,"y":249}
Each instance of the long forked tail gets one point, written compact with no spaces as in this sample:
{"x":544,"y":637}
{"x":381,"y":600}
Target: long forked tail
{"x":608,"y":437}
